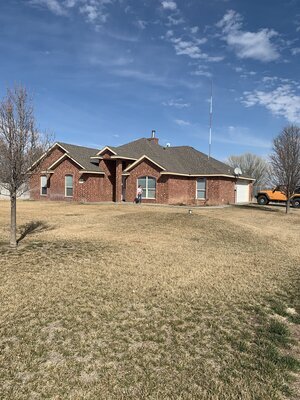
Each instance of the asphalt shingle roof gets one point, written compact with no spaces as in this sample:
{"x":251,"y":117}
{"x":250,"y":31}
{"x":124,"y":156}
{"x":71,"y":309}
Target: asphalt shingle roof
{"x":179,"y":159}
{"x":82,"y":155}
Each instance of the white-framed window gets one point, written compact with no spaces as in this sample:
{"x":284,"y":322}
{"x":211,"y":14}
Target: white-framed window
{"x":148,"y":185}
{"x":69,"y":186}
{"x":201,"y":188}
{"x":44,"y":185}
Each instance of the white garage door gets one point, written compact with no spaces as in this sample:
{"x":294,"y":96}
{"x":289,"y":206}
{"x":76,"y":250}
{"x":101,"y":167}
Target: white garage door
{"x":242,"y":191}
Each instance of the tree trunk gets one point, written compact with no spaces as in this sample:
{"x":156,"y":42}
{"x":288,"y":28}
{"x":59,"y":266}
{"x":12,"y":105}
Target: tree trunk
{"x":287,"y":208}
{"x":13,"y":220}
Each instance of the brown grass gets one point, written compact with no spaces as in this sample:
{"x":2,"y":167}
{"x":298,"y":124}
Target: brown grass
{"x":140,"y":302}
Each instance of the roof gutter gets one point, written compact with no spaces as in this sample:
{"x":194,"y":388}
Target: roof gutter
{"x":204,"y":175}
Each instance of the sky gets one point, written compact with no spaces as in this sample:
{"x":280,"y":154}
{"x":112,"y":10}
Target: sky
{"x":106,"y":72}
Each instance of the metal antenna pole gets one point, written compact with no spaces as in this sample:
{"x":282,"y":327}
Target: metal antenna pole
{"x":210,"y":118}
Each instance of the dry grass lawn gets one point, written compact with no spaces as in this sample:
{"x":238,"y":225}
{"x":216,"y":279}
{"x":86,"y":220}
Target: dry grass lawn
{"x":141,"y":302}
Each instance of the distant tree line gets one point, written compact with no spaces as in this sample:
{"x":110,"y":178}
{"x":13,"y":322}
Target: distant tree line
{"x":281,"y":169}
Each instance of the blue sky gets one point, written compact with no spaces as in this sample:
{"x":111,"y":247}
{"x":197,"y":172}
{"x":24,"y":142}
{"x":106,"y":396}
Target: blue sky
{"x":105,"y":72}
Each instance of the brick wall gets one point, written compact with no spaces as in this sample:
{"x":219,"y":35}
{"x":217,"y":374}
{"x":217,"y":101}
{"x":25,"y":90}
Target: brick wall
{"x":179,"y":189}
{"x":90,"y":190}
{"x":146,"y":168}
{"x":182,"y":190}
{"x":220,"y":190}
{"x":169,"y":189}
{"x":109,"y":179}
{"x":34,"y":181}
{"x":118,"y":182}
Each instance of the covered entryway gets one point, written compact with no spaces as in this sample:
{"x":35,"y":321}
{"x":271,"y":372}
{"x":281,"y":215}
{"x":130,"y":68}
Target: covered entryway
{"x":242,"y":191}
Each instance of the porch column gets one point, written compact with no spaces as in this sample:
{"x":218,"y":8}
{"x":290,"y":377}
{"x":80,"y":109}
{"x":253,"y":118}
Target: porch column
{"x":118,"y":189}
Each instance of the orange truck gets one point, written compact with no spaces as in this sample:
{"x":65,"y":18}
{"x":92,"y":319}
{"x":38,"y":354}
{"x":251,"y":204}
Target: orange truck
{"x":276,"y":196}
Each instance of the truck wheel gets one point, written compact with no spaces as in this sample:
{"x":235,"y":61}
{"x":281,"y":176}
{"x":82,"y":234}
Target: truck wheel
{"x":262,"y":200}
{"x":296,"y":202}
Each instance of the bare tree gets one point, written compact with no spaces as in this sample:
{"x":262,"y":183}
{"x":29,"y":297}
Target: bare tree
{"x":20,"y":145}
{"x":285,"y":161}
{"x":252,"y":165}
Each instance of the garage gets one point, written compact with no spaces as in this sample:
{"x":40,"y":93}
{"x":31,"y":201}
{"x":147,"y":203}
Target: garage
{"x":242,"y":191}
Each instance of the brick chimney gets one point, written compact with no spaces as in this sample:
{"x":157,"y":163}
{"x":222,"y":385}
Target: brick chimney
{"x":153,"y":138}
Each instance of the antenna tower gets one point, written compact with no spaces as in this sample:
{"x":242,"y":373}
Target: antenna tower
{"x":210,"y":118}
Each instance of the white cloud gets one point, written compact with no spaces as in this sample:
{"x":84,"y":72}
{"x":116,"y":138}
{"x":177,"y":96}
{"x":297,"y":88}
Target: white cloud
{"x":70,"y":3}
{"x":177,"y":103}
{"x":141,"y":24}
{"x":141,"y":76}
{"x":175,"y":20}
{"x":282,"y":101}
{"x":192,"y":49}
{"x":182,"y":122}
{"x":241,"y":136}
{"x":169,"y":5}
{"x":53,"y":5}
{"x":189,"y":48}
{"x":255,"y":45}
{"x":297,"y":23}
{"x":202,"y":71}
{"x":109,"y":61}
{"x":93,"y":10}
{"x":295,"y":51}
{"x":269,"y":80}
{"x":194,"y":30}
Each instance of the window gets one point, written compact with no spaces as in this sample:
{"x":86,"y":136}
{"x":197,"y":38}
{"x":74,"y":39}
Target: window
{"x":43,"y":185}
{"x":149,"y":187}
{"x":201,"y":189}
{"x":69,"y":186}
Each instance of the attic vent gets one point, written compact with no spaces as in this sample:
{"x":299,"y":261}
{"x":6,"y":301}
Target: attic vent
{"x":153,"y":134}
{"x":168,"y":145}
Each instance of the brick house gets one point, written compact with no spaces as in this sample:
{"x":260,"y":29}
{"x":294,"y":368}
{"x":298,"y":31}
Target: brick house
{"x":168,"y":175}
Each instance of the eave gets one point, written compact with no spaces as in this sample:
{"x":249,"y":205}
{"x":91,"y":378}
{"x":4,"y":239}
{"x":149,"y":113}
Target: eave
{"x":144,"y":157}
{"x":48,"y":151}
{"x":62,"y":158}
{"x":92,"y":172}
{"x":104,"y":149}
{"x":122,"y":158}
{"x":206,"y":175}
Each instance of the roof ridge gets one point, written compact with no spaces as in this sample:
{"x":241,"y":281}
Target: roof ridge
{"x":76,"y":145}
{"x":133,"y":141}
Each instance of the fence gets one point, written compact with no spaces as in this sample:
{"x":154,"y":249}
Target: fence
{"x":24,"y":193}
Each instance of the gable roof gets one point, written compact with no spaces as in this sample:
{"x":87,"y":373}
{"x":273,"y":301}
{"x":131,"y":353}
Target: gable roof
{"x":82,"y":155}
{"x":106,"y":148}
{"x":177,"y":160}
{"x":182,"y":160}
{"x":144,"y":157}
{"x":62,"y":158}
